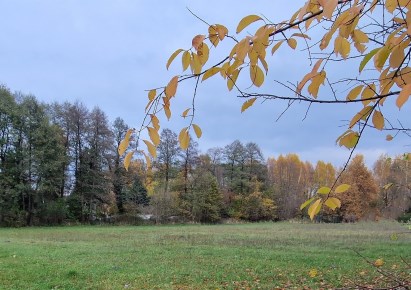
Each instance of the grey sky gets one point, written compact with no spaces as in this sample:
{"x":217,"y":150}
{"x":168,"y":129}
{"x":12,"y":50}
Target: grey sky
{"x":107,"y":53}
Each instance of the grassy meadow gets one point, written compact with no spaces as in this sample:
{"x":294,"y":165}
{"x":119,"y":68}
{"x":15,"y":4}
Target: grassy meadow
{"x":238,"y":256}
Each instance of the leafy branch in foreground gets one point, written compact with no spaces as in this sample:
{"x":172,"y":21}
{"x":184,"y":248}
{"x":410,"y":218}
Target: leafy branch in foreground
{"x":370,"y":37}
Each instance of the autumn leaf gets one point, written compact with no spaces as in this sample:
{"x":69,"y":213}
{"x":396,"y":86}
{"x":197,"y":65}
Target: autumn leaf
{"x":378,"y":262}
{"x":292,"y":43}
{"x":186,"y":60}
{"x":197,"y":130}
{"x":247,"y":21}
{"x":256,"y":75}
{"x":184,"y":138}
{"x":307,"y":202}
{"x":313,"y":273}
{"x":197,"y":40}
{"x":184,"y":114}
{"x":342,"y":188}
{"x":324,"y":190}
{"x":151,"y":148}
{"x":314,"y":208}
{"x":361,"y":115}
{"x":353,"y":94}
{"x":171,"y":88}
{"x":333,"y":203}
{"x":173,"y":56}
{"x":154,"y":136}
{"x":378,"y":120}
{"x":127,"y":159}
{"x":210,"y":72}
{"x":276,"y":46}
{"x":247,"y":104}
{"x":403,"y":96}
{"x":125,"y":142}
{"x":222,"y":31}
{"x":152,"y":94}
{"x":329,"y":8}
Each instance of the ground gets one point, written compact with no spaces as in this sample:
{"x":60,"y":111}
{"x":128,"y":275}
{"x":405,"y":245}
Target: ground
{"x":240,"y":256}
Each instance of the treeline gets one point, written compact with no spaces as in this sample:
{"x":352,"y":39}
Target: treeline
{"x":59,"y":163}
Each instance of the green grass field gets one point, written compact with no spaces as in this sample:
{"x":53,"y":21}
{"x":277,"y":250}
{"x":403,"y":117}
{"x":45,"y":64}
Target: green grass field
{"x":244,"y":256}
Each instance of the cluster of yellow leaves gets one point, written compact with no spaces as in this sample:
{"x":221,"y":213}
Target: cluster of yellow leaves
{"x":249,"y":53}
{"x":324,"y":198}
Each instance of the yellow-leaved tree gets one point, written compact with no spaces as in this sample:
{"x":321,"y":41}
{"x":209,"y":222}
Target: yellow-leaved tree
{"x":372,"y":37}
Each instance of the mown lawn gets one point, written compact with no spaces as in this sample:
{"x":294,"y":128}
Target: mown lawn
{"x":246,"y":256}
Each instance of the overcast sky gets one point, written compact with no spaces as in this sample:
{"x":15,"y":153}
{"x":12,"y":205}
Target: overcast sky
{"x":107,"y":53}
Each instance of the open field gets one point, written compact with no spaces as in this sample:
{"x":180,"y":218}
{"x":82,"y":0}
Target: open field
{"x":264,"y":255}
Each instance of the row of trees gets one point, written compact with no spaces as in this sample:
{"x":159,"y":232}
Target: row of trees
{"x":60,"y":162}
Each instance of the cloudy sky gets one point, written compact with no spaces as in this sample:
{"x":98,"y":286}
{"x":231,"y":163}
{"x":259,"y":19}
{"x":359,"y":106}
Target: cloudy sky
{"x":107,"y":53}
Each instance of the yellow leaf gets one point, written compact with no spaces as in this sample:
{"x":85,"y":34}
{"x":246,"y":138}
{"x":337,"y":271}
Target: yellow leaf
{"x":301,"y":35}
{"x":184,"y":114}
{"x":403,"y":96}
{"x":324,"y":190}
{"x":264,"y":63}
{"x":171,"y":88}
{"x":222,"y":31}
{"x":242,"y":49}
{"x":154,"y":136}
{"x":397,"y":57}
{"x":125,"y":142}
{"x":309,"y":76}
{"x":360,"y":36}
{"x":155,"y":122}
{"x":232,"y":79}
{"x":349,"y":139}
{"x":167,"y":111}
{"x":247,"y":104}
{"x":152,"y":94}
{"x":276,"y":46}
{"x":127,"y":159}
{"x":184,"y":138}
{"x":186,"y":60}
{"x":247,"y":21}
{"x":151,"y":148}
{"x":314,"y":208}
{"x":203,"y":53}
{"x":173,"y":56}
{"x":378,"y":120}
{"x":197,"y":130}
{"x":256,"y":75}
{"x":342,"y":188}
{"x":213,"y":35}
{"x":390,"y":5}
{"x":195,"y":64}
{"x":329,"y":8}
{"x":292,"y":43}
{"x":381,"y":57}
{"x":368,"y":93}
{"x":197,"y":40}
{"x":361,"y":115}
{"x":313,"y":273}
{"x":333,"y":203}
{"x":148,"y":160}
{"x":316,"y":82}
{"x":389,"y":137}
{"x":210,"y":72}
{"x":307,"y":202}
{"x":353,"y":94}
{"x":379,"y":262}
{"x":345,"y":48}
